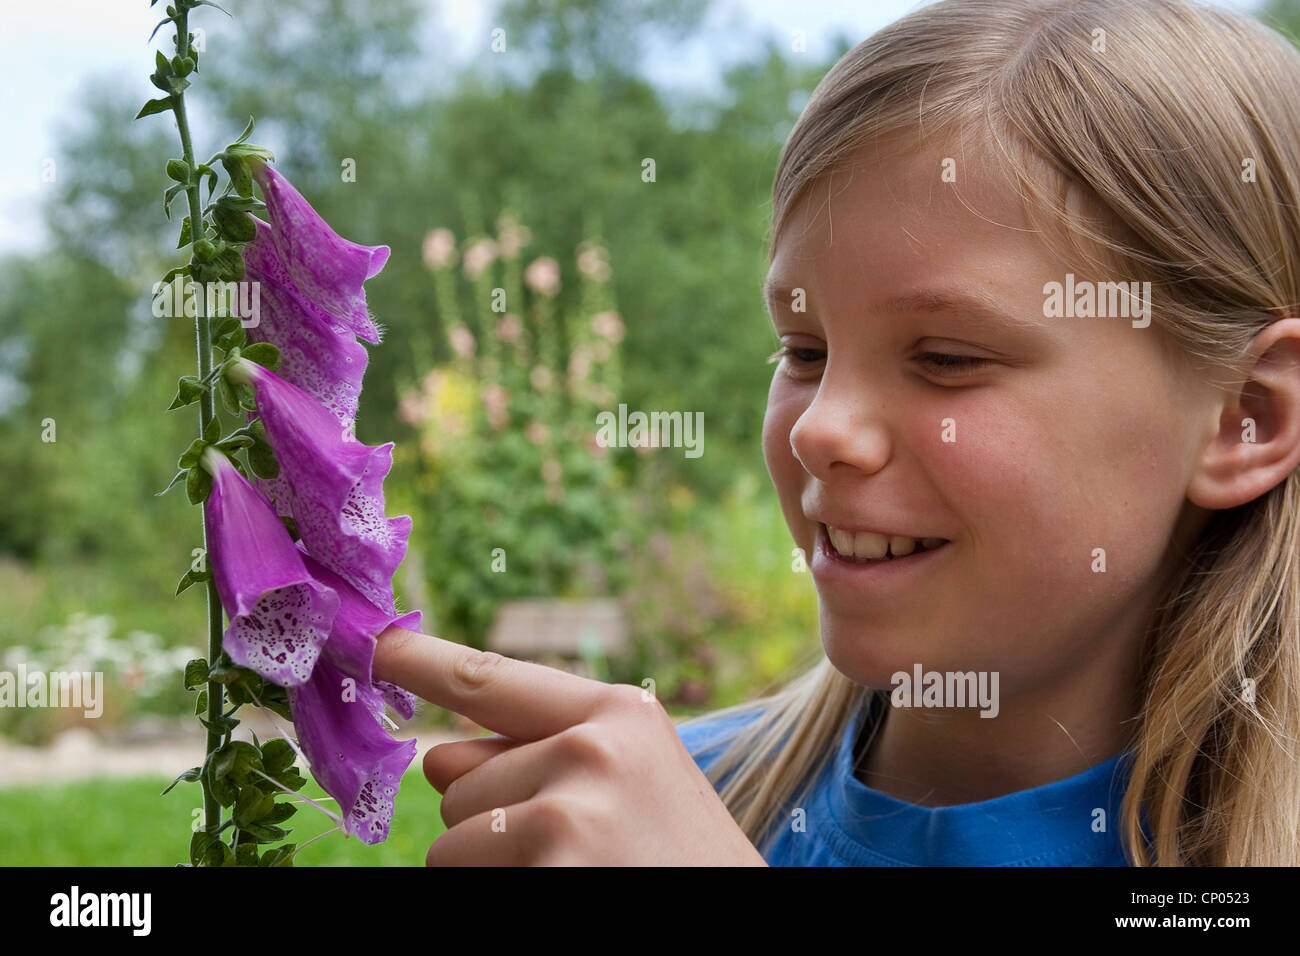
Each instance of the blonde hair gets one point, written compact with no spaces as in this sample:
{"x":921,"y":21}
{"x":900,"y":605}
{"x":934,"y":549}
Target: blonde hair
{"x":1155,"y":131}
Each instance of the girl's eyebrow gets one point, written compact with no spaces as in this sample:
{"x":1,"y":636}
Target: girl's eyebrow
{"x":982,"y":309}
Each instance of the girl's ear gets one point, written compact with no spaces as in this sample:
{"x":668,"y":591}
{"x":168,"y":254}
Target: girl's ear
{"x":1257,"y":442}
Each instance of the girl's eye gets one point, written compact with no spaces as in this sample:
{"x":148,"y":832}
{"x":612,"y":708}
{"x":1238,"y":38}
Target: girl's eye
{"x":952,"y":365}
{"x":799,"y":356}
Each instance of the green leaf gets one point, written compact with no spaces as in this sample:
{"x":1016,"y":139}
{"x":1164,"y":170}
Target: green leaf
{"x":157,"y":28}
{"x":175,"y":478}
{"x":163,"y":65}
{"x":278,"y":755}
{"x":189,"y":776}
{"x":191,"y":578}
{"x":198,"y":485}
{"x":185,"y":238}
{"x":168,"y":197}
{"x":264,"y":354}
{"x":213,"y":431}
{"x":196,"y":673}
{"x":201,"y":703}
{"x":188,"y":391}
{"x":209,"y":3}
{"x":159,"y":105}
{"x":222,"y":725}
{"x":230,"y":264}
{"x":191,"y":455}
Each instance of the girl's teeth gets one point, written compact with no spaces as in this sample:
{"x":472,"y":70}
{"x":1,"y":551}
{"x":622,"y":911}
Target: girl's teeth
{"x":866,"y":545}
{"x":901,"y":546}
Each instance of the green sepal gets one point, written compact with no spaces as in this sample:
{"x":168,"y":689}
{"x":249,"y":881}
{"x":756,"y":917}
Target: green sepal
{"x":158,"y":27}
{"x":198,"y":485}
{"x":236,"y":760}
{"x":164,"y":67}
{"x":185,"y":237}
{"x":209,"y":3}
{"x":171,"y":484}
{"x":190,"y":457}
{"x":276,"y":700}
{"x":211,"y":174}
{"x":250,"y":150}
{"x":159,"y":105}
{"x":277,"y":755}
{"x":263,"y":353}
{"x":239,"y":175}
{"x":233,"y":225}
{"x":262,"y":833}
{"x":229,"y":262}
{"x":280,"y":813}
{"x":262,"y":460}
{"x":188,"y":391}
{"x":280,"y":856}
{"x":290,"y":526}
{"x":246,"y":854}
{"x":247,"y":130}
{"x":213,"y":431}
{"x":201,"y":703}
{"x":228,"y":397}
{"x":200,"y":843}
{"x":196,"y":673}
{"x":252,"y":805}
{"x":189,"y":776}
{"x":205,"y":250}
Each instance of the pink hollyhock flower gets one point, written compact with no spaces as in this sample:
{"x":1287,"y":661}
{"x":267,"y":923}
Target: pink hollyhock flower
{"x":331,"y":484}
{"x":280,"y":615}
{"x":543,"y":276}
{"x":439,"y":249}
{"x":326,"y":269}
{"x":338,"y":714}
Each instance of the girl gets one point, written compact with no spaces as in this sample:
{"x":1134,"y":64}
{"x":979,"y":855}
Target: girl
{"x":1035,"y":269}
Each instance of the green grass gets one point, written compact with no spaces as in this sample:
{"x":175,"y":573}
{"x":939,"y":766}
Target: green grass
{"x":124,"y":822}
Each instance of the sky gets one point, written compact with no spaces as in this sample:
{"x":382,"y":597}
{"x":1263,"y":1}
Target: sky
{"x":48,"y":50}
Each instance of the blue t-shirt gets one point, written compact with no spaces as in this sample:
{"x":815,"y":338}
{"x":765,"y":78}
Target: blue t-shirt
{"x":847,"y":823}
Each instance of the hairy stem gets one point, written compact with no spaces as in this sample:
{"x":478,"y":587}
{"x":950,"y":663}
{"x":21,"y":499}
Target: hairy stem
{"x":207,"y":411}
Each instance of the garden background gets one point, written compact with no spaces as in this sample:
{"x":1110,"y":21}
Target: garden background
{"x":521,"y":170}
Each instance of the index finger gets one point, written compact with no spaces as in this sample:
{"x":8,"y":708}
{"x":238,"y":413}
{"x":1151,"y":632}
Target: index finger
{"x":519,"y":699}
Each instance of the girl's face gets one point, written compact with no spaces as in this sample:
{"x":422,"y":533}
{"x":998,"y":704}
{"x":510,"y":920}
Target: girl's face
{"x":1070,"y":442}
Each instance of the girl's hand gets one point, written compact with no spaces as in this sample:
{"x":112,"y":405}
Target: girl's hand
{"x":579,"y":773}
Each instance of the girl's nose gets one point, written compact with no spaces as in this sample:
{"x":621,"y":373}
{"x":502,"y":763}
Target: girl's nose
{"x":843,"y":427}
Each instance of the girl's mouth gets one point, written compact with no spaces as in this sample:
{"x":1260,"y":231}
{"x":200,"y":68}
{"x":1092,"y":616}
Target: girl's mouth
{"x":830,"y":564}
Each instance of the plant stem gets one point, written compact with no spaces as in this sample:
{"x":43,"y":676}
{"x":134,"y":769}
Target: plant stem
{"x":207,"y":411}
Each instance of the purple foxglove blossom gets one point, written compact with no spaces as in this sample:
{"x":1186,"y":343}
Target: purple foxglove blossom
{"x":319,"y":355}
{"x":331,"y":484}
{"x":337,"y":715}
{"x":280,"y":616}
{"x":327,"y":269}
